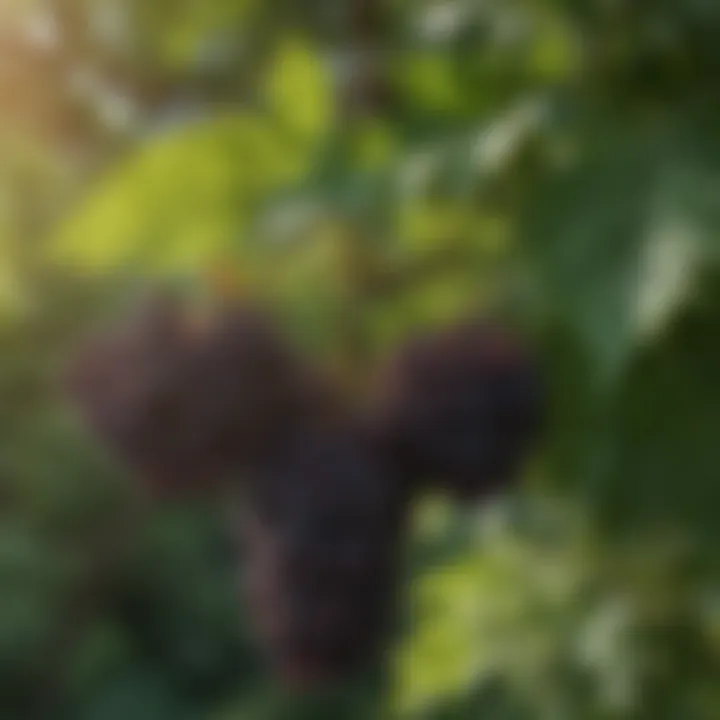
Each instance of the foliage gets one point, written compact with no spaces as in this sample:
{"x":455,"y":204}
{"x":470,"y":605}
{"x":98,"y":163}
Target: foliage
{"x":556,"y":160}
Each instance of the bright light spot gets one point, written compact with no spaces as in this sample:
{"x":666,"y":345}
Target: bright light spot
{"x":41,"y":30}
{"x":442,"y":20}
{"x":496,"y":145}
{"x":417,"y":172}
{"x":288,"y":220}
{"x":670,"y":259}
{"x":117,"y":110}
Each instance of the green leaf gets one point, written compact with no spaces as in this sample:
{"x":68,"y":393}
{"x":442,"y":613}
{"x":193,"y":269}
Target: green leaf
{"x":182,"y":201}
{"x":585,"y":229}
{"x":617,"y":234}
{"x":299,"y":90}
{"x":663,"y":469}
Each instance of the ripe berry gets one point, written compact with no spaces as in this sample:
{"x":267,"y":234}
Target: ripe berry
{"x":460,"y":408}
{"x":183,"y":403}
{"x":324,"y":529}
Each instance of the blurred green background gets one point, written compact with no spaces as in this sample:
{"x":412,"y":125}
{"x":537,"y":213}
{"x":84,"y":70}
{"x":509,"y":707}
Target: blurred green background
{"x":371,"y":167}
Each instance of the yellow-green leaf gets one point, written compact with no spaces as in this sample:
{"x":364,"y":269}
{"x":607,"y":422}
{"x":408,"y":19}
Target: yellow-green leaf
{"x":299,"y":90}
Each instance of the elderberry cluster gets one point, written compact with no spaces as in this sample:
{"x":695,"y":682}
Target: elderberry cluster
{"x":324,"y":523}
{"x":194,"y":404}
{"x":182,"y":399}
{"x":460,"y":408}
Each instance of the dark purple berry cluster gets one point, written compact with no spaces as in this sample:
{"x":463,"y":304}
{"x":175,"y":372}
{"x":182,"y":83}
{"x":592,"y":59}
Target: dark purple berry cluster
{"x":460,"y":409}
{"x":193,"y":404}
{"x":183,"y":400}
{"x":325,"y":524}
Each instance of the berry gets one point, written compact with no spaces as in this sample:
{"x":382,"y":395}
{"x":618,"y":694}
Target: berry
{"x":188,"y":404}
{"x":183,"y":403}
{"x":460,"y":408}
{"x":324,"y":531}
